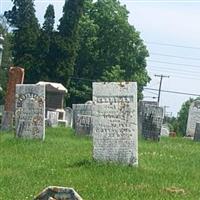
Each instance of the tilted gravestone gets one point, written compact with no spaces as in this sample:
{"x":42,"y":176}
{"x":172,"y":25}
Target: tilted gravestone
{"x":52,"y":117}
{"x":82,"y":118}
{"x":193,"y":118}
{"x":15,"y":76}
{"x":152,"y":119}
{"x":69,"y":116}
{"x":58,"y":193}
{"x":114,"y":119}
{"x":197,"y":132}
{"x":30,"y":111}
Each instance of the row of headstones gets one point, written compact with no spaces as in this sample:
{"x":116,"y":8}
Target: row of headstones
{"x":150,"y":119}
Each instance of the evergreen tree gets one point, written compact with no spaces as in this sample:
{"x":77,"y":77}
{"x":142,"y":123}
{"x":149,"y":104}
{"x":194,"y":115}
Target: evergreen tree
{"x":26,"y":31}
{"x":49,"y":20}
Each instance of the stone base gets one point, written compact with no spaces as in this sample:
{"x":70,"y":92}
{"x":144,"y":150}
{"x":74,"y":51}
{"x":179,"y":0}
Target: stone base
{"x":7,"y":121}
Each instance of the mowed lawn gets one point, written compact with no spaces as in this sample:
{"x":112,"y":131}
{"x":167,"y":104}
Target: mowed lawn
{"x":169,"y":169}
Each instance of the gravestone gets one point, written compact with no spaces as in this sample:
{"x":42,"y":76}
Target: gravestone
{"x":165,"y":130}
{"x":141,"y":106}
{"x":58,"y":193}
{"x":52,"y":117}
{"x":152,"y":119}
{"x":193,"y":118}
{"x":69,"y":116}
{"x":114,"y":119}
{"x":197,"y":132}
{"x":15,"y":76}
{"x":30,"y":111}
{"x":82,"y":118}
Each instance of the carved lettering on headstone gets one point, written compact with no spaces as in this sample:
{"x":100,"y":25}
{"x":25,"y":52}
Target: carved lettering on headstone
{"x":114,"y":119}
{"x":30,"y":111}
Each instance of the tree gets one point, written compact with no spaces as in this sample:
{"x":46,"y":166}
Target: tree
{"x":110,"y":48}
{"x":26,"y":31}
{"x":183,"y":117}
{"x":49,"y":21}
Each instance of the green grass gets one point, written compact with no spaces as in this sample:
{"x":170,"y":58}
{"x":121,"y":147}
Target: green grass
{"x":169,"y":169}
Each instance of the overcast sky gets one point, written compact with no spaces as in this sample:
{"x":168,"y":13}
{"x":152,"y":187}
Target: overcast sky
{"x":160,"y":22}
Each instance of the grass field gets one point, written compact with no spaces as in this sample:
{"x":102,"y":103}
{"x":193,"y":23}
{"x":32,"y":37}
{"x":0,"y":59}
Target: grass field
{"x":169,"y":169}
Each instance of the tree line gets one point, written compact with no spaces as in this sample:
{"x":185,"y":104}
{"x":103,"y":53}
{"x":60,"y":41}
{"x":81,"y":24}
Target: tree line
{"x":93,"y":42}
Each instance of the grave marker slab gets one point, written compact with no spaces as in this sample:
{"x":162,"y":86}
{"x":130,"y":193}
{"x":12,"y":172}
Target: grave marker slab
{"x":82,"y":118}
{"x":15,"y":76}
{"x":30,"y":111}
{"x":197,"y":132}
{"x":52,"y":116}
{"x":193,"y":118}
{"x":152,"y":119}
{"x":114,"y":119}
{"x":69,"y":116}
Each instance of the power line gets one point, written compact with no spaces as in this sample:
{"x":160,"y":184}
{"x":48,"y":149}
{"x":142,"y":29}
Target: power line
{"x":173,"y":92}
{"x":173,"y":45}
{"x":174,"y":56}
{"x":169,"y":63}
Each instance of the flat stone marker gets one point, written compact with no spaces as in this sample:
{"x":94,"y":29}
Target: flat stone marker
{"x":114,"y":119}
{"x":58,"y":193}
{"x":152,"y":119}
{"x":197,"y":132}
{"x":52,"y":116}
{"x":82,"y":116}
{"x":30,"y":111}
{"x":15,"y":76}
{"x":193,"y":118}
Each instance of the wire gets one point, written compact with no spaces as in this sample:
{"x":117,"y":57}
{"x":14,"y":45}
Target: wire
{"x":173,"y":92}
{"x":173,"y":45}
{"x":174,"y":56}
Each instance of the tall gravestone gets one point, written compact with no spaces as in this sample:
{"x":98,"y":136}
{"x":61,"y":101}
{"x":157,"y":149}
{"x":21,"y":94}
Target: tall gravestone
{"x":30,"y":111}
{"x":114,"y":120}
{"x":152,"y":118}
{"x":197,"y":132}
{"x":193,"y":118}
{"x":15,"y":76}
{"x":82,"y":118}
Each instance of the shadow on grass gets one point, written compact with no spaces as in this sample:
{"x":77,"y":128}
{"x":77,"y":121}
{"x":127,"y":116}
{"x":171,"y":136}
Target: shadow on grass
{"x":81,"y":163}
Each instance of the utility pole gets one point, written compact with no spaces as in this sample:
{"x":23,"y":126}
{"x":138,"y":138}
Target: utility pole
{"x":161,"y":78}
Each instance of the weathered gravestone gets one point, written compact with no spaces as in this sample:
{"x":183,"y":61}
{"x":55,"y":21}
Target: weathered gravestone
{"x":141,"y":106}
{"x":197,"y":132}
{"x":82,"y":118}
{"x":193,"y":118}
{"x":30,"y":111}
{"x":152,"y":119}
{"x":58,"y":193}
{"x":15,"y":76}
{"x":52,"y":117}
{"x":69,"y":116}
{"x":114,"y":119}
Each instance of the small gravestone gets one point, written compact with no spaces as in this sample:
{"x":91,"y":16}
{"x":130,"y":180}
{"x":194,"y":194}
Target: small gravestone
{"x":197,"y":132}
{"x":152,"y":119}
{"x":69,"y":116}
{"x":82,"y":118}
{"x":30,"y":111}
{"x":58,"y":193}
{"x":193,"y":118}
{"x":52,"y":117}
{"x":114,"y":119}
{"x":15,"y":76}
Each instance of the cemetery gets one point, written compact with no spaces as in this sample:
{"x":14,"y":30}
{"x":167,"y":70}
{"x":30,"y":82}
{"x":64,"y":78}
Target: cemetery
{"x":75,"y":119}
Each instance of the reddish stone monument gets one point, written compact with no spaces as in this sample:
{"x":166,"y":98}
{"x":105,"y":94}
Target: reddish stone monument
{"x":16,"y":76}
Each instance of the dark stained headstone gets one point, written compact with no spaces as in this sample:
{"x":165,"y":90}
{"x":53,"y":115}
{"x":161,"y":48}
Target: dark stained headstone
{"x":152,"y":119}
{"x":16,"y":76}
{"x":197,"y":132}
{"x":82,"y":118}
{"x":30,"y":111}
{"x":58,"y":193}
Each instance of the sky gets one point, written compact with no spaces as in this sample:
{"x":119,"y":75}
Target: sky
{"x":171,"y":33}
